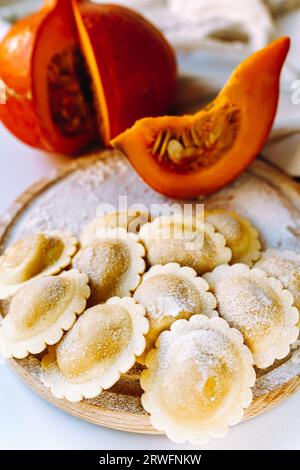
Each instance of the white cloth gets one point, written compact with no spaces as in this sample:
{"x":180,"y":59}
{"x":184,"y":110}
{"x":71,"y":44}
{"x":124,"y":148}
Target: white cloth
{"x":282,"y":6}
{"x":239,"y":22}
{"x":188,"y":24}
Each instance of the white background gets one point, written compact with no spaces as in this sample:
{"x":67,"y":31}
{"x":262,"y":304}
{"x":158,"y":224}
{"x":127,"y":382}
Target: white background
{"x":29,"y":422}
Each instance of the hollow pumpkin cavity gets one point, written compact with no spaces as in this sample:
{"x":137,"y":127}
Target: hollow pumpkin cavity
{"x":200,"y":144}
{"x":69,"y":90}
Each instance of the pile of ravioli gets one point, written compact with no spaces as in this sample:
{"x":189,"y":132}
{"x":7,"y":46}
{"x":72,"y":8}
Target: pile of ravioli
{"x":198,"y":305}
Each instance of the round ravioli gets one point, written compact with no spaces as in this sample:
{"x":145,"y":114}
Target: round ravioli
{"x":198,"y":380}
{"x":169,"y":293}
{"x":40,"y":311}
{"x":130,"y":220}
{"x":102,"y":345}
{"x":284,"y":266}
{"x":239,"y":233}
{"x":36,"y":255}
{"x":113,"y":264}
{"x":188,"y":242}
{"x":259,"y":307}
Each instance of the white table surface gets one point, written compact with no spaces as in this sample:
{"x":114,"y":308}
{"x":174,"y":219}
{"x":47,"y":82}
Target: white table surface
{"x":29,"y":422}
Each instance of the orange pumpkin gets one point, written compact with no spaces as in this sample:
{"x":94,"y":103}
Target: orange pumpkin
{"x":193,"y":155}
{"x":76,"y":73}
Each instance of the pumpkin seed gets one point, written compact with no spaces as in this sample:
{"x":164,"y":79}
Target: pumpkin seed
{"x":201,"y":144}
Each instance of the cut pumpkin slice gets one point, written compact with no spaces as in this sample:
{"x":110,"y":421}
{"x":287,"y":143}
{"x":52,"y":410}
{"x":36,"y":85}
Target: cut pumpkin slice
{"x":193,"y":155}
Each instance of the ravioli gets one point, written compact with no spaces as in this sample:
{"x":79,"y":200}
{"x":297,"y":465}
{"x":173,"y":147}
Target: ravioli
{"x":259,"y":307}
{"x":41,"y":311}
{"x":114,"y":264}
{"x":130,"y":220}
{"x":169,"y":293}
{"x":198,"y":380}
{"x":187,"y":241}
{"x":35,"y":255}
{"x":102,"y":345}
{"x":284,"y":266}
{"x":240,"y":235}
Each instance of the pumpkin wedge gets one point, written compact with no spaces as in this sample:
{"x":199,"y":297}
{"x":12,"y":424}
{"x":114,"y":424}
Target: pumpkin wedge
{"x":192,"y":155}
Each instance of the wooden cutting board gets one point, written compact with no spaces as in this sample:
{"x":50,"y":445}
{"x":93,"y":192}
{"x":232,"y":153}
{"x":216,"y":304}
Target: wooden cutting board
{"x":70,"y":199}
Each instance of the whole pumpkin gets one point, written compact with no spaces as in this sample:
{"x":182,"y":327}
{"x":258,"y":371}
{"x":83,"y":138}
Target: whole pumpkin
{"x":75,"y":73}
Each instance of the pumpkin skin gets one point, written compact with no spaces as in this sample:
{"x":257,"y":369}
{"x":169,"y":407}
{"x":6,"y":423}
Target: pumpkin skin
{"x":18,"y":113}
{"x":65,"y":33}
{"x":136,"y":67}
{"x":224,"y":138}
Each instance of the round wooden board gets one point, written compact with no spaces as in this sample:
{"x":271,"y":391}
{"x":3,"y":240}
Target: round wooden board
{"x":70,"y":199}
